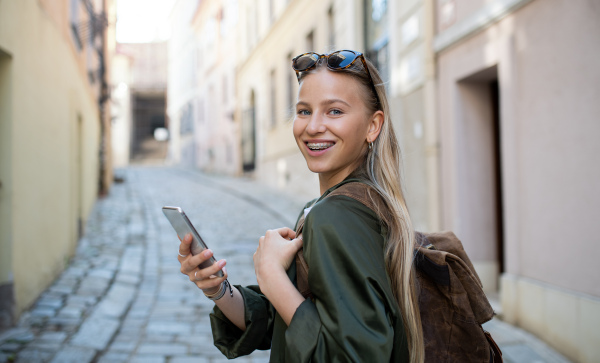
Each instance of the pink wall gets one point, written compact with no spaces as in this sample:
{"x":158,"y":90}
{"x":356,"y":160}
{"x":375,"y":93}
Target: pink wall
{"x":548,"y":56}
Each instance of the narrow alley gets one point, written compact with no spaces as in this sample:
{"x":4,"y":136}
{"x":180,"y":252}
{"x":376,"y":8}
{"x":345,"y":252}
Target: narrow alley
{"x":122,"y":297}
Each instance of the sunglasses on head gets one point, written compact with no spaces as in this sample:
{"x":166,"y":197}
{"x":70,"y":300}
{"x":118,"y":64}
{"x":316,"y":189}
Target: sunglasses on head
{"x":336,"y":61}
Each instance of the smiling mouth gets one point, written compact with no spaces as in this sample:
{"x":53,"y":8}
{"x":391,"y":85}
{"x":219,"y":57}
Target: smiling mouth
{"x":318,"y":146}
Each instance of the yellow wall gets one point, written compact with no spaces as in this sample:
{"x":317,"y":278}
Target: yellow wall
{"x":52,"y":163}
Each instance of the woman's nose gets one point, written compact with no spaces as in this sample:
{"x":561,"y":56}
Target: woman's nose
{"x":315,"y":125}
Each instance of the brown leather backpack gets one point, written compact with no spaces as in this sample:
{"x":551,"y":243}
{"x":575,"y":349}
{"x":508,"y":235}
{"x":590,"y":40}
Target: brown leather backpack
{"x":451,"y":299}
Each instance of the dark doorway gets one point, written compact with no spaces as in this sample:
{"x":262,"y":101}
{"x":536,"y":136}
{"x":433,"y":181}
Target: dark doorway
{"x":79,"y":175}
{"x":495,"y":106}
{"x":479,"y":173}
{"x":148,"y":116}
{"x":7,"y":291}
{"x":249,"y":136}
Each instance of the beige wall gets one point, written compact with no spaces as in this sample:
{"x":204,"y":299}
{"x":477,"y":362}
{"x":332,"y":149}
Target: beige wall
{"x":215,"y":28}
{"x":411,"y":95}
{"x":121,"y":109}
{"x":53,"y":125}
{"x":544,"y":56}
{"x":181,"y":80}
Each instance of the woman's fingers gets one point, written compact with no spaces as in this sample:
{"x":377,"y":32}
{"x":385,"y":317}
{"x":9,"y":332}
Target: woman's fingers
{"x":286,"y":232}
{"x":206,"y":280}
{"x":190,"y":263}
{"x":210,"y":285}
{"x":205,"y":273}
{"x":298,"y":243}
{"x":184,"y":247}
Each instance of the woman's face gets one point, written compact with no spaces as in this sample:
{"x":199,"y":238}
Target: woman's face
{"x":333,"y":126}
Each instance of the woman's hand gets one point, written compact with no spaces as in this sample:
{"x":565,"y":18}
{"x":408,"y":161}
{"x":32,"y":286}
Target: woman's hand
{"x":275,"y":252}
{"x":206,"y":278}
{"x":276,"y":249}
{"x":273,"y":257}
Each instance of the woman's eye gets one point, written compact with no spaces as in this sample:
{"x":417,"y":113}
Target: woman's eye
{"x":335,"y":112}
{"x":303,"y":112}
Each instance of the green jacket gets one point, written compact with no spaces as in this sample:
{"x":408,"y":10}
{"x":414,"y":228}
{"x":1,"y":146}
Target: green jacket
{"x":353,"y":316}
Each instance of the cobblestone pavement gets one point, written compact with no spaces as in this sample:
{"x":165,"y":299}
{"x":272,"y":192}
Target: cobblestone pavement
{"x":122,"y":297}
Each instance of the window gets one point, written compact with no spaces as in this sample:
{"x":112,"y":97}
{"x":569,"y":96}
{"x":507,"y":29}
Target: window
{"x":290,"y":83}
{"x":273,"y":83}
{"x":225,"y":89}
{"x":376,"y":35}
{"x":186,"y":119}
{"x":223,"y":26}
{"x":331,"y":23}
{"x":74,"y":20}
{"x":310,"y":42}
{"x":271,"y":12}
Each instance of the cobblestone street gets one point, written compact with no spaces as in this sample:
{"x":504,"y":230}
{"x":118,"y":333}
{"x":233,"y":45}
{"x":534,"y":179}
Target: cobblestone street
{"x":122,"y":298}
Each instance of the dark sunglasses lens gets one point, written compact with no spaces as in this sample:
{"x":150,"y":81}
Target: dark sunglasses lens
{"x":304,"y":62}
{"x":341,"y":59}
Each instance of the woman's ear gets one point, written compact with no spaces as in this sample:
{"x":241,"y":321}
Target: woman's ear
{"x":375,"y":125}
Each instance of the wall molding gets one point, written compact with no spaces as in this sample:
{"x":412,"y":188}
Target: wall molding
{"x":567,"y":320}
{"x":481,"y":19}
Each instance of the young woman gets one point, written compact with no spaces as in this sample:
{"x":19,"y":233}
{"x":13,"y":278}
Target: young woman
{"x":363,"y":305}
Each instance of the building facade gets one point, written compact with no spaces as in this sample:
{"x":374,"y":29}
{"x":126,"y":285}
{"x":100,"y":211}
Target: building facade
{"x":215,"y":26}
{"x":517,"y":91}
{"x":396,"y":36}
{"x":493,"y":102}
{"x":182,"y":87}
{"x":54,"y":132}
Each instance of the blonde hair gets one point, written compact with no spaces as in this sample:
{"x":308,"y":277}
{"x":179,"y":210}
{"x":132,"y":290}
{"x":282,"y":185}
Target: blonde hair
{"x":381,"y":168}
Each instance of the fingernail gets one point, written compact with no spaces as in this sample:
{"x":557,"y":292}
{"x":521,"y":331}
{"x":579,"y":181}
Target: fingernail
{"x":222,"y":263}
{"x":207,"y":253}
{"x":225,"y":270}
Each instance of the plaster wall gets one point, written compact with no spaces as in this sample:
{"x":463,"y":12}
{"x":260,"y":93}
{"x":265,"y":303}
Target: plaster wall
{"x":182,"y":50}
{"x":548,"y":84}
{"x":411,"y":97}
{"x":121,"y":110}
{"x":54,"y":128}
{"x":216,"y":134}
{"x":546,"y":55}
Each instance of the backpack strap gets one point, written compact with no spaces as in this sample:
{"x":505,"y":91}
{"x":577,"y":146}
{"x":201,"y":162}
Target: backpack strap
{"x":355,"y":190}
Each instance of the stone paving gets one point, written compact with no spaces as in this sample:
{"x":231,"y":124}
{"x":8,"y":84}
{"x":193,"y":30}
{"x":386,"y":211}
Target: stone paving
{"x":122,"y":297}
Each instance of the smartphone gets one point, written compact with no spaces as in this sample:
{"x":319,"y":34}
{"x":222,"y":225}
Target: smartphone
{"x":183,"y":226}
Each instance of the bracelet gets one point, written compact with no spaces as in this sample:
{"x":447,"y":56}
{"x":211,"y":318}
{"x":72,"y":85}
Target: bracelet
{"x":219,"y":294}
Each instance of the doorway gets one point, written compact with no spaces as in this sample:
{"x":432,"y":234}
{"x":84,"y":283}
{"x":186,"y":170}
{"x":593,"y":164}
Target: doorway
{"x":148,"y":142}
{"x":79,"y":176}
{"x":479,"y":164}
{"x":249,"y":136}
{"x":6,"y":283}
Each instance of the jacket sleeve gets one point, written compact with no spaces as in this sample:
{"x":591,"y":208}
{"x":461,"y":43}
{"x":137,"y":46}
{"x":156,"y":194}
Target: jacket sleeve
{"x":349,"y":319}
{"x":259,"y":315}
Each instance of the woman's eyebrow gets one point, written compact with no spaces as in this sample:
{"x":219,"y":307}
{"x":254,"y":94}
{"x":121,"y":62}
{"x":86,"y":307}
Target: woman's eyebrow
{"x":325,"y":102}
{"x":335,"y":100}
